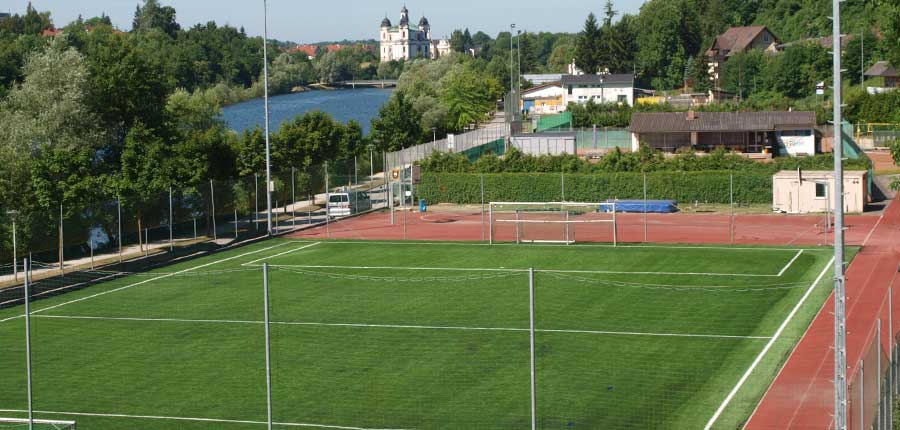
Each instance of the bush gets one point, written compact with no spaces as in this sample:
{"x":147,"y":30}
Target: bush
{"x":707,"y":187}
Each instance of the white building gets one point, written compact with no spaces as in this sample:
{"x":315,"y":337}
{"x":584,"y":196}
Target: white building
{"x":405,"y":43}
{"x":805,"y":191}
{"x":546,"y":99}
{"x":440,"y":48}
{"x":604,"y":88}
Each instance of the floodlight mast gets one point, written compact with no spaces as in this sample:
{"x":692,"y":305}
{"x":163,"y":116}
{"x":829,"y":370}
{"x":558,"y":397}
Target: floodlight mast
{"x":266,"y":102}
{"x":840,"y":317}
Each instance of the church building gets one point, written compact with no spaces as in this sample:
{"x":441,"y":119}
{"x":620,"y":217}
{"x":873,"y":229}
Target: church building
{"x":404,"y":42}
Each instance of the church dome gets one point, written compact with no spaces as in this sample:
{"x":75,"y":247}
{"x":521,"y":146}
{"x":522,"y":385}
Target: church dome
{"x":385,"y":22}
{"x":423,"y":22}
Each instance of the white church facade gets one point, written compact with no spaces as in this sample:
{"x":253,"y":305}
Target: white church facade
{"x":402,"y":42}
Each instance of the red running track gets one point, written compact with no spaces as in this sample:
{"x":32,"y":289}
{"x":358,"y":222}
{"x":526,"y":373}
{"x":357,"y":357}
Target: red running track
{"x":802,"y":395}
{"x":660,"y":228}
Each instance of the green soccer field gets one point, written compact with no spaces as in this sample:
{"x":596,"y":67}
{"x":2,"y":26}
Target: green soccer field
{"x":378,"y":335}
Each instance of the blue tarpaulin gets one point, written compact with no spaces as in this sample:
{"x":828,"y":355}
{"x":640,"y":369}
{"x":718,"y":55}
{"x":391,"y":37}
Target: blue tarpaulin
{"x":640,"y":206}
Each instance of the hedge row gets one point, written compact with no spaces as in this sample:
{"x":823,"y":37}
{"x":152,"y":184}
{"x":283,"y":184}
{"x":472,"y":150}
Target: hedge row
{"x":705,"y":187}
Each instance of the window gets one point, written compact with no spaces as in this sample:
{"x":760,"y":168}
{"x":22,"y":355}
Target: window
{"x":821,"y":190}
{"x":622,"y":98}
{"x":570,"y":90}
{"x":796,"y":133}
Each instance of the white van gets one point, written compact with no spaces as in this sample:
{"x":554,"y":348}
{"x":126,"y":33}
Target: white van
{"x":348,"y":203}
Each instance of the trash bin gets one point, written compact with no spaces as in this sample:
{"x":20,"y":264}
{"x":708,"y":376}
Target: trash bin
{"x":422,"y":205}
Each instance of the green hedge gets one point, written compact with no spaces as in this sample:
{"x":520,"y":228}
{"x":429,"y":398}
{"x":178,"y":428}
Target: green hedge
{"x":705,"y":187}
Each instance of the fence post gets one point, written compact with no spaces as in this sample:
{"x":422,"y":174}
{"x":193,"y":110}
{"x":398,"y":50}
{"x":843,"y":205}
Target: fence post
{"x":731,"y":197}
{"x":256,"y":201}
{"x":171,"y":222}
{"x":212,"y":197}
{"x":119,"y":217}
{"x":147,"y":241}
{"x":595,"y":137}
{"x":91,"y":245}
{"x":195,"y":228}
{"x":645,"y":207}
{"x":482,"y":207}
{"x":293,"y":201}
{"x":562,"y":178}
{"x":327,"y":199}
{"x":878,"y":376}
{"x":268,"y":346}
{"x":235,"y":224}
{"x":62,"y":256}
{"x":15,"y":260}
{"x":27,"y":269}
{"x":862,"y":395}
{"x":531,"y":336}
{"x":491,"y":225}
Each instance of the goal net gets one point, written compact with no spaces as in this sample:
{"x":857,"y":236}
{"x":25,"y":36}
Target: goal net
{"x":553,"y":222}
{"x":22,"y":423}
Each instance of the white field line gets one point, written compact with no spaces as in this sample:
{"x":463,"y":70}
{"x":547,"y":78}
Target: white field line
{"x":476,"y":269}
{"x":280,"y":254}
{"x":398,"y":326}
{"x":790,"y":263}
{"x":765,"y":349}
{"x":578,"y":245}
{"x":206,"y":420}
{"x":146,"y":281}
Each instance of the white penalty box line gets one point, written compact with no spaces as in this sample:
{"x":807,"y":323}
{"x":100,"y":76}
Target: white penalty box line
{"x":400,"y":326}
{"x":195,"y":419}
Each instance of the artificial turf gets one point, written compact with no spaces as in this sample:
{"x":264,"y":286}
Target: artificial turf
{"x":393,"y":335}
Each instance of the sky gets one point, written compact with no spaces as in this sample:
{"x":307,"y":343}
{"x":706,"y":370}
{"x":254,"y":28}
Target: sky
{"x":306,"y":21}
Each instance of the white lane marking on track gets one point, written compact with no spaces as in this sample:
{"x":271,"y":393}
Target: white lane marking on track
{"x":765,"y":349}
{"x":206,"y":420}
{"x":562,"y":246}
{"x":146,"y":281}
{"x":398,"y":326}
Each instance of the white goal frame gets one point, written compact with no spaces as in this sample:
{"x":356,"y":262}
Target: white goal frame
{"x":569,"y":238}
{"x":59,"y":424}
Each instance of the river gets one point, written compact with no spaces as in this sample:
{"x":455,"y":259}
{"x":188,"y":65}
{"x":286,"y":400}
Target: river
{"x":343,"y":105}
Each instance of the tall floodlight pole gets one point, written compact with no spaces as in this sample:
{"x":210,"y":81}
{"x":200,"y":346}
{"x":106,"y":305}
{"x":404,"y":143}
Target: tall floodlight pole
{"x":518,"y":64}
{"x":266,"y":102}
{"x":840,"y":317}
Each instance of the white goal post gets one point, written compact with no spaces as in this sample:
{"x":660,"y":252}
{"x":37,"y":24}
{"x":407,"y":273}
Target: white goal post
{"x":22,"y":423}
{"x":552,"y":222}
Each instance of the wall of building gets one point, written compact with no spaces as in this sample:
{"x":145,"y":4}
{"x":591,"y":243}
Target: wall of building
{"x":791,"y":195}
{"x":796,"y":142}
{"x":600,"y":93}
{"x":545,"y":144}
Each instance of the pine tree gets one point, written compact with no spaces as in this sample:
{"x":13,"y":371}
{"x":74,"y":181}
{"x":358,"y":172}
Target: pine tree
{"x":586,"y":52}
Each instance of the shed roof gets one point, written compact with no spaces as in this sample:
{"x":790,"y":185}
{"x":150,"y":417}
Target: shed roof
{"x":598,"y":79}
{"x":674,"y":122}
{"x":882,"y":68}
{"x":541,"y":87}
{"x":820,"y":174}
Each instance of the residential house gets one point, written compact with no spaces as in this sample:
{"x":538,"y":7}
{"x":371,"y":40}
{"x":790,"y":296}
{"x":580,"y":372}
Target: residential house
{"x":742,"y":39}
{"x":762,"y":134}
{"x":887,"y":73}
{"x":604,"y":88}
{"x":545,"y":99}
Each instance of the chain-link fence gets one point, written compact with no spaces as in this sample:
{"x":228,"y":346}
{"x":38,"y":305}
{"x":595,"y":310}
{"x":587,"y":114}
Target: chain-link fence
{"x":73,"y":236}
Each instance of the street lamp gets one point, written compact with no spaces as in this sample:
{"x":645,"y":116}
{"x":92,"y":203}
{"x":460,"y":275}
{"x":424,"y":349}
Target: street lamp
{"x":266,"y":102}
{"x":12,"y":214}
{"x":511,"y":68}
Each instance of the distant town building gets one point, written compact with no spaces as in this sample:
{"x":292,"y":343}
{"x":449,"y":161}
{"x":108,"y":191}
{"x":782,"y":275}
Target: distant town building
{"x":440,"y":48}
{"x":602,"y":88}
{"x":888,"y":73}
{"x":402,"y":42}
{"x":544,"y":99}
{"x":742,"y":39}
{"x":4,"y":15}
{"x":312,"y":50}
